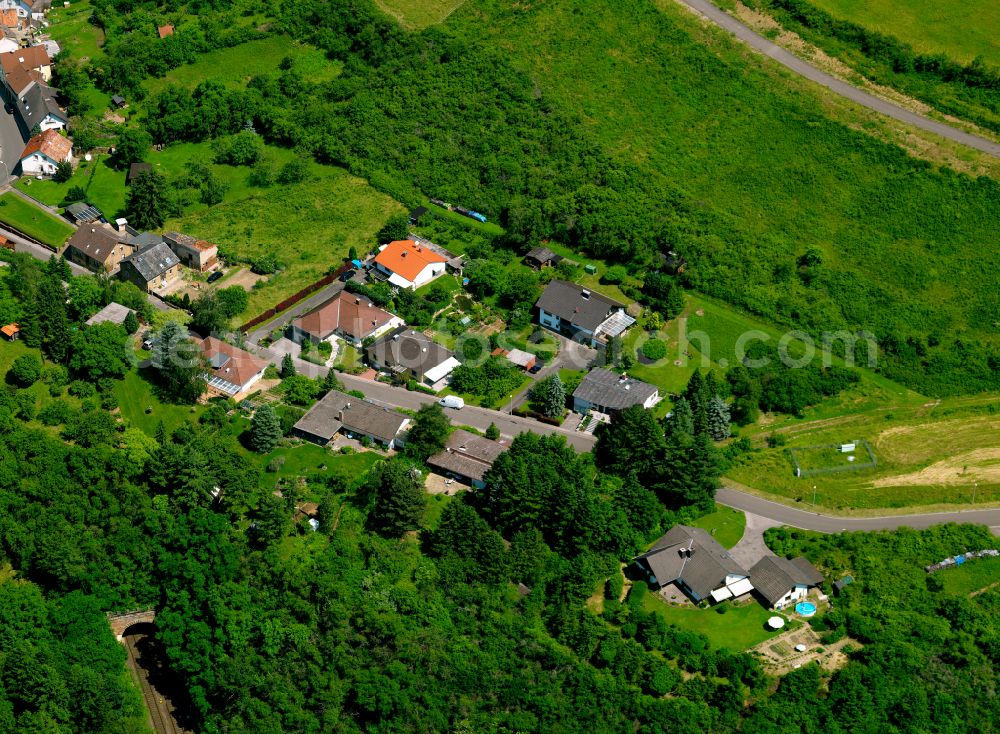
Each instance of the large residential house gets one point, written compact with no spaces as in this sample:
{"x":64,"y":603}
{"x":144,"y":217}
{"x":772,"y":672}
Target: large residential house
{"x":232,"y":370}
{"x":467,"y":457}
{"x":97,"y":247}
{"x":694,"y":561}
{"x":339,"y":411}
{"x":781,"y":581}
{"x":44,"y":152}
{"x":409,"y":264}
{"x":605,"y":391}
{"x":346,"y":316}
{"x":152,"y":268}
{"x":581,"y":314}
{"x":33,"y":58}
{"x":195,"y":253}
{"x":407,"y":352}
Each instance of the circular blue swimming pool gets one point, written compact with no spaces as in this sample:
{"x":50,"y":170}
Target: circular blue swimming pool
{"x":805,"y":608}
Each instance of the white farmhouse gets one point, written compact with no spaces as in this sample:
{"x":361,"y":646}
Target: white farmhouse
{"x":44,"y":152}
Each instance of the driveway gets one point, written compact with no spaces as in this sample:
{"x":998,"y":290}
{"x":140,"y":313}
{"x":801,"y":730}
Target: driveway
{"x":785,"y":515}
{"x":807,"y":70}
{"x":571,"y":356}
{"x":302,"y":307}
{"x":751,"y":547}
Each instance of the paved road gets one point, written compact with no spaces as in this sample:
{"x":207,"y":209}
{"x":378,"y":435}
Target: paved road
{"x":470,"y":415}
{"x":831,"y":524}
{"x":803,"y":68}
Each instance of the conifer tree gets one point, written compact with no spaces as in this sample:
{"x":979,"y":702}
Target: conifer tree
{"x":265,"y":429}
{"x":718,"y":419}
{"x":287,"y":367}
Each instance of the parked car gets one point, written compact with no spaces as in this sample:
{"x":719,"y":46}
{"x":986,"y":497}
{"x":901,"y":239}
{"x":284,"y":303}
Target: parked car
{"x":536,"y":368}
{"x":215,"y":276}
{"x":452,"y":401}
{"x":344,"y":277}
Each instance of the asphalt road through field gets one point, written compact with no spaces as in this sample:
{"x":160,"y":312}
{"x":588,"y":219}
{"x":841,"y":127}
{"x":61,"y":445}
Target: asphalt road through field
{"x":803,"y":68}
{"x":832,"y":524}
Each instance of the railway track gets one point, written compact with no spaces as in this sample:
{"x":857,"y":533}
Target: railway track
{"x":160,"y":716}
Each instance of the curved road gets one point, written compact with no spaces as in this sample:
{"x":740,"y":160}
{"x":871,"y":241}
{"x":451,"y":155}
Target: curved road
{"x":831,"y":524}
{"x":803,"y":68}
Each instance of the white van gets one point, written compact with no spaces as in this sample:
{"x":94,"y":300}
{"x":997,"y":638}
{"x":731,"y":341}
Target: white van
{"x":452,"y":401}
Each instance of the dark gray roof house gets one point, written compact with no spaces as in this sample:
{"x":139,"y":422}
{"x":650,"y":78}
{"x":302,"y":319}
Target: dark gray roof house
{"x":540,"y":257}
{"x":694,"y":560}
{"x":405,"y":351}
{"x":339,"y":411}
{"x":576,"y":312}
{"x":608,"y":392}
{"x":35,"y":105}
{"x":154,"y":266}
{"x":780,"y":580}
{"x":467,"y":456}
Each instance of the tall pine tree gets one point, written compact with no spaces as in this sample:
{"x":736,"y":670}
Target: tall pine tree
{"x":718,"y":419}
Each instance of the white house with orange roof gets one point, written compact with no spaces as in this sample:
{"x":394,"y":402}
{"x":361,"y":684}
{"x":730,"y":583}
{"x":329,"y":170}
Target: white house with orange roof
{"x":44,"y":152}
{"x":410,"y":264}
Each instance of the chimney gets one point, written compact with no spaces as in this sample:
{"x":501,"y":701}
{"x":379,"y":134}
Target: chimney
{"x":120,"y":224}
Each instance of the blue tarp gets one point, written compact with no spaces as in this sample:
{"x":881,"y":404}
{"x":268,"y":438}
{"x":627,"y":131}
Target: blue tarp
{"x":357,"y":263}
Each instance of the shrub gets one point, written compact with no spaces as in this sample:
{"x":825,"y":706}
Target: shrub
{"x":275,"y":464}
{"x":775,"y":440}
{"x":82,"y":389}
{"x":55,"y":413}
{"x":654,"y":349}
{"x":26,"y":369}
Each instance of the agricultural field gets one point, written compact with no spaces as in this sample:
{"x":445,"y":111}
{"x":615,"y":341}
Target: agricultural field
{"x":930,"y":453}
{"x":33,"y":221}
{"x":71,"y":27}
{"x":309,"y":227}
{"x":237,"y":65}
{"x":418,"y":14}
{"x":961,"y":31}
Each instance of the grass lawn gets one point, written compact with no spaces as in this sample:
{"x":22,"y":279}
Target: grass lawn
{"x":435,"y":506}
{"x":135,"y":394}
{"x":309,"y":227}
{"x":104,"y":185}
{"x":306,"y":459}
{"x":726,"y":525}
{"x":33,"y":221}
{"x":72,"y":29}
{"x":419,"y":13}
{"x":236,"y":65}
{"x":971,"y":576}
{"x":960,"y":31}
{"x":741,"y":627}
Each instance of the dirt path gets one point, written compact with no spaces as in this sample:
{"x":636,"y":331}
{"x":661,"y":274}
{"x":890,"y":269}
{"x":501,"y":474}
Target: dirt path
{"x":807,"y":70}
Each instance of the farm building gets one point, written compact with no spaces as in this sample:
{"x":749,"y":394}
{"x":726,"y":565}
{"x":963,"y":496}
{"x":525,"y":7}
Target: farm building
{"x":339,"y":412}
{"x":694,"y":561}
{"x":409,"y":264}
{"x":196,"y":254}
{"x":605,"y":391}
{"x":541,"y":257}
{"x":11,"y":331}
{"x":405,"y":351}
{"x":346,"y":316}
{"x":467,"y":457}
{"x":114,"y":313}
{"x":97,"y":247}
{"x":151,"y":269}
{"x":578,"y":313}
